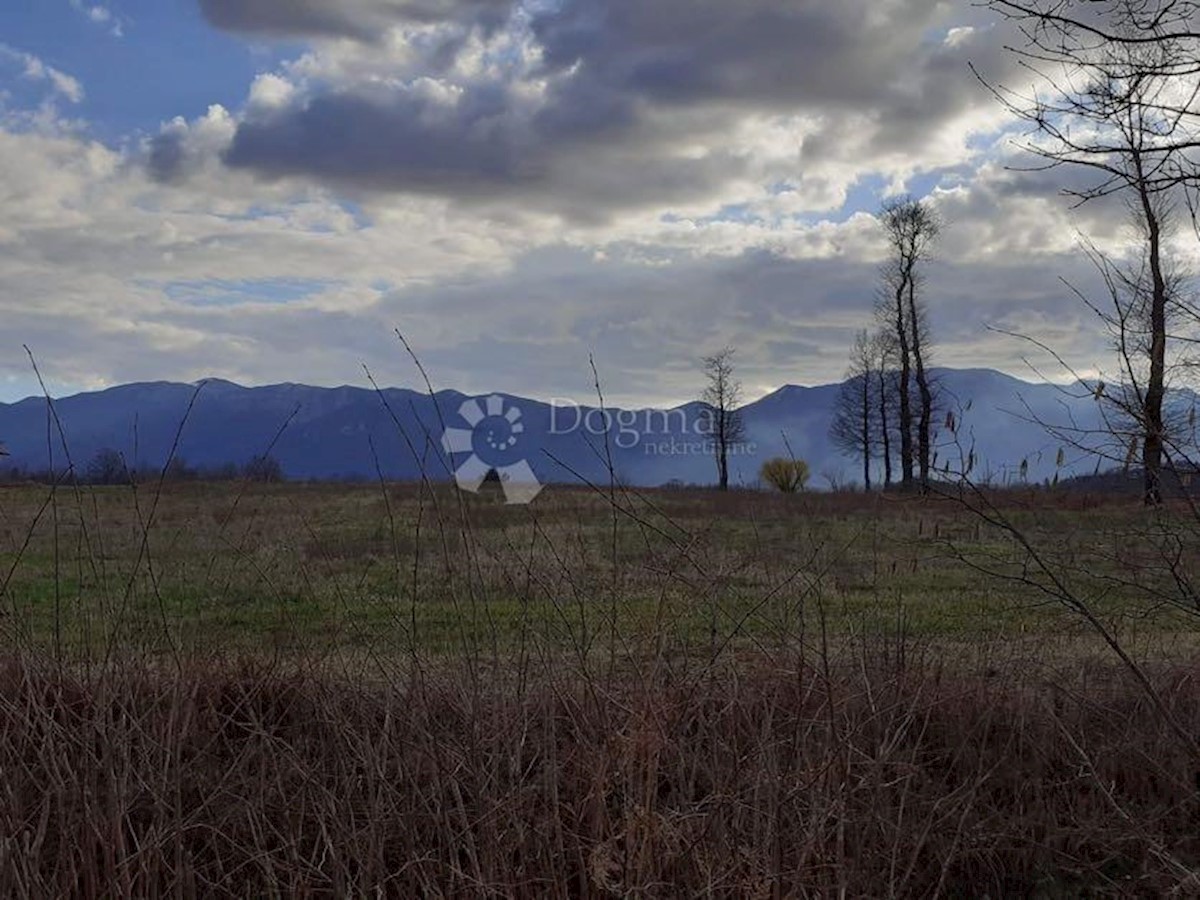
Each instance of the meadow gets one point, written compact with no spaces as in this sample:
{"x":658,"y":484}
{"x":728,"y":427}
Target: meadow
{"x":352,"y":571}
{"x":235,"y":689}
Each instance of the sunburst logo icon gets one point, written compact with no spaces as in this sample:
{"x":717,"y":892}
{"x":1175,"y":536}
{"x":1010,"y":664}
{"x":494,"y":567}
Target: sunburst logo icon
{"x":492,"y":442}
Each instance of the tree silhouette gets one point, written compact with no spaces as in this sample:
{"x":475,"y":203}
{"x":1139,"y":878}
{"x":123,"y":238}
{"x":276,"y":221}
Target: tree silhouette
{"x":723,"y":397}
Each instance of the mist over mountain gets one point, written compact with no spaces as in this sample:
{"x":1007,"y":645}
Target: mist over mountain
{"x":356,"y":433}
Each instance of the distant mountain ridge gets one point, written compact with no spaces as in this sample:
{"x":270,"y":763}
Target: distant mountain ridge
{"x":358,"y":433}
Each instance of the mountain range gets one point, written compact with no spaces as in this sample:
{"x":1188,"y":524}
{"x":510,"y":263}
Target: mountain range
{"x":358,"y":433}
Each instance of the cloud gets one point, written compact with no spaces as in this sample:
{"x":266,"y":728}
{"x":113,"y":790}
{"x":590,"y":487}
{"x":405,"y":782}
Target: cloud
{"x":95,"y":13}
{"x":100,"y":15}
{"x":360,"y":19}
{"x":763,"y":52}
{"x":35,"y":69}
{"x":645,"y":182}
{"x":222,"y":275}
{"x":183,"y":148}
{"x":588,"y":110}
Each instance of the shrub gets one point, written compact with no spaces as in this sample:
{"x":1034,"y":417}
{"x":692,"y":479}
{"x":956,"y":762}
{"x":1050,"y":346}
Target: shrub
{"x":264,"y":469}
{"x":106,"y":467}
{"x":785,"y":475}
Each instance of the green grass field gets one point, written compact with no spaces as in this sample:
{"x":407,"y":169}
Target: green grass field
{"x":366,"y":571}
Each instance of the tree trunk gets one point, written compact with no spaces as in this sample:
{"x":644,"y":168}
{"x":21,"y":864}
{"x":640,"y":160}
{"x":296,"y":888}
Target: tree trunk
{"x":866,"y":429}
{"x":925,"y":423}
{"x":885,"y":430}
{"x":906,"y":447}
{"x":925,"y":426}
{"x":723,"y":452}
{"x":1152,"y":448}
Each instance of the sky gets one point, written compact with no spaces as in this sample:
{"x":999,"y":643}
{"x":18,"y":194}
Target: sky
{"x":268,"y":190}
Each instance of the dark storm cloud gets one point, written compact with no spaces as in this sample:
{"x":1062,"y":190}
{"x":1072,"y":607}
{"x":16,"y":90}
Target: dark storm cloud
{"x":391,"y":140}
{"x":483,"y":148}
{"x":361,"y":19}
{"x":764,"y":52}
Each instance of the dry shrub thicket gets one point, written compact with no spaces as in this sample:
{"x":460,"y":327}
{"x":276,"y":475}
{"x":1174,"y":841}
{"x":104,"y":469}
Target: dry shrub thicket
{"x":734,"y":735}
{"x":874,"y":779}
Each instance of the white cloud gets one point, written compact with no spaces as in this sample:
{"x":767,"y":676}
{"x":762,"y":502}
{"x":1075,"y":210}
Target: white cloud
{"x":34,"y":69}
{"x":562,"y":111}
{"x":270,"y":91}
{"x":672,"y":208}
{"x":111,"y":276}
{"x":95,"y":13}
{"x":100,"y":15}
{"x":960,"y":35}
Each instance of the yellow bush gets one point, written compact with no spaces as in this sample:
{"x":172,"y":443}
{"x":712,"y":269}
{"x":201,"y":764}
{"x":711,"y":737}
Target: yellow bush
{"x":785,"y":475}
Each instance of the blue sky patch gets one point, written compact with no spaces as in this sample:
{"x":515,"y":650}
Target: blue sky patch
{"x":217,"y":292}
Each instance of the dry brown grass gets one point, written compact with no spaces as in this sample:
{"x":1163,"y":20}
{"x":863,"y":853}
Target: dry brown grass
{"x":875,"y":778}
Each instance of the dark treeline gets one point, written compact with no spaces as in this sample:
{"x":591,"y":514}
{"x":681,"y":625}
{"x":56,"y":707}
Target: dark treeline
{"x":109,"y":467}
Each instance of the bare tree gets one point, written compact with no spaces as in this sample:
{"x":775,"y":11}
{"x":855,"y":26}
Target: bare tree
{"x":723,"y":396}
{"x":266,"y":469}
{"x":1129,"y":411}
{"x":911,"y":227}
{"x":853,"y":429}
{"x":886,"y":386}
{"x":1119,"y":99}
{"x":107,"y":466}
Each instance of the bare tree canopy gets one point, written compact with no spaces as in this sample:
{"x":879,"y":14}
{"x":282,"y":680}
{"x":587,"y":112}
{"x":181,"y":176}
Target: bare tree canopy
{"x":1072,"y":25}
{"x":1118,"y":87}
{"x":723,"y":396}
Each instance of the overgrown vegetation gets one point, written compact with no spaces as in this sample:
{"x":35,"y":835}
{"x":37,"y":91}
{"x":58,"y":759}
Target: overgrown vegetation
{"x":255,"y":689}
{"x":888,"y":774}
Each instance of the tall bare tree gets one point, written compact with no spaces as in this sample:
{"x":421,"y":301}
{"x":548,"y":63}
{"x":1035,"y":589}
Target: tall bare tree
{"x":1150,"y":350}
{"x":886,"y":385}
{"x":912,"y":227}
{"x":853,"y":429}
{"x":723,"y":396}
{"x":1119,"y":85}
